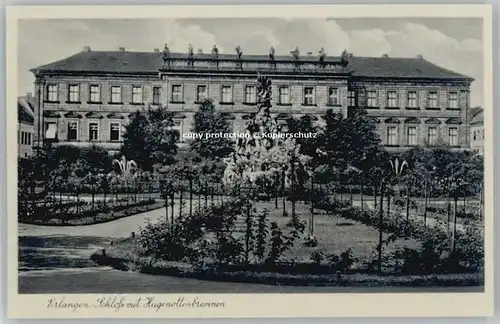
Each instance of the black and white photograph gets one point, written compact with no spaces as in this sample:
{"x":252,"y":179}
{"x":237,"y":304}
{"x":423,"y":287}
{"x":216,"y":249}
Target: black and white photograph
{"x":250,"y":155}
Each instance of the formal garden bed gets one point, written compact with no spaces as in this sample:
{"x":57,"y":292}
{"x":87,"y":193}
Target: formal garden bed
{"x":223,"y":243}
{"x":61,"y":214}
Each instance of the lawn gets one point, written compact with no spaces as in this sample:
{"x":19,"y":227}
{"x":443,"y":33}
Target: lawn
{"x":334,"y":233}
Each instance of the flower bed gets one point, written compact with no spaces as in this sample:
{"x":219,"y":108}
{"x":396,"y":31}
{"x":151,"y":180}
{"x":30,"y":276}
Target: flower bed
{"x":284,"y":274}
{"x":206,"y":246}
{"x":85,"y":215}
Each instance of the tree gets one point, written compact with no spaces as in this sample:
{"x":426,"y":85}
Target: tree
{"x":98,"y":158}
{"x":350,"y":143}
{"x":304,"y":125}
{"x":212,"y":125}
{"x":149,"y":138}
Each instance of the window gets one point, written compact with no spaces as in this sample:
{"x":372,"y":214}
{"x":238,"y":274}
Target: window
{"x":452,"y":100}
{"x":412,"y":99}
{"x":475,"y":135}
{"x":227,"y":94}
{"x":412,"y":135}
{"x":392,"y":99}
{"x":95,"y":93}
{"x":51,"y":130}
{"x":136,"y":94}
{"x":432,"y":100}
{"x":156,"y":95}
{"x":176,"y":93}
{"x":333,"y":97}
{"x":432,"y":135}
{"x":116,"y":94}
{"x":453,"y":136}
{"x":72,"y":131}
{"x":284,"y":93}
{"x":250,"y":94}
{"x":52,"y":93}
{"x":74,"y":93}
{"x":351,"y":98}
{"x":93,"y":131}
{"x":372,"y":99}
{"x":392,"y":135}
{"x":201,"y":93}
{"x":308,"y":96}
{"x":114,"y":132}
{"x":25,"y":138}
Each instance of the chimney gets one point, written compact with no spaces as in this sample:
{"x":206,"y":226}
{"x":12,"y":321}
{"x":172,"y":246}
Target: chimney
{"x":121,"y":49}
{"x":420,"y":56}
{"x":156,"y":50}
{"x":385,"y":55}
{"x":86,"y":49}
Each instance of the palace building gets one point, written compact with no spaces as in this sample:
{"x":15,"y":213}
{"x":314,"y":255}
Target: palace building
{"x":89,"y":97}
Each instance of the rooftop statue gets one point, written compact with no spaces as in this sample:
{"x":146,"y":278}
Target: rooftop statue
{"x":190,"y":55}
{"x":239,"y":52}
{"x":215,"y":52}
{"x":322,"y":55}
{"x":166,"y":52}
{"x":295,"y":53}
{"x":271,"y":53}
{"x":346,"y":57}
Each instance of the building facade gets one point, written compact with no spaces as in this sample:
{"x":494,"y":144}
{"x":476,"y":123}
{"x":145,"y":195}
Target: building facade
{"x":477,"y":132}
{"x":89,"y":97}
{"x":25,"y":126}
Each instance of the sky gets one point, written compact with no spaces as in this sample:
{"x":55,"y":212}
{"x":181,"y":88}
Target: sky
{"x":453,"y":43}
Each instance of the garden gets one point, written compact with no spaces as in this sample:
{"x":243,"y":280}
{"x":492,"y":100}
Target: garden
{"x":336,"y":209}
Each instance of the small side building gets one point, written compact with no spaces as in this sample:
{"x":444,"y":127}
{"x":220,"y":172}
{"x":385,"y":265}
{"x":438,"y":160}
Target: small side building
{"x":25,"y":126}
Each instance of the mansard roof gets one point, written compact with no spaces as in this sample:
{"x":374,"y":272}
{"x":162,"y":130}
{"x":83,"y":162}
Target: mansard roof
{"x":124,"y":62}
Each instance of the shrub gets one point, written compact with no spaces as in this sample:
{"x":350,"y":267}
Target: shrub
{"x":311,"y":241}
{"x":204,"y":239}
{"x":277,"y":244}
{"x":341,"y":263}
{"x":317,"y":257}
